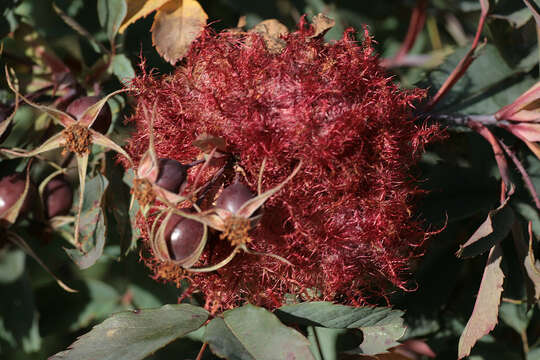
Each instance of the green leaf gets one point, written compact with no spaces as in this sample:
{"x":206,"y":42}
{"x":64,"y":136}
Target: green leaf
{"x":476,"y":93}
{"x":92,"y":226}
{"x":117,"y":199}
{"x":251,"y":332}
{"x":518,"y":18}
{"x":133,"y":210}
{"x":122,"y":68}
{"x":18,"y":315}
{"x":534,"y":354}
{"x":110,"y":14}
{"x":515,"y":315}
{"x":380,"y":326}
{"x":11,"y":264}
{"x":103,"y":301}
{"x":494,"y":229}
{"x":134,"y":335}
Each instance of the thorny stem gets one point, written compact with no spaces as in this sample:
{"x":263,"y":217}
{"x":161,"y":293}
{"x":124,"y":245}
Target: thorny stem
{"x":201,"y":352}
{"x":523,"y":172}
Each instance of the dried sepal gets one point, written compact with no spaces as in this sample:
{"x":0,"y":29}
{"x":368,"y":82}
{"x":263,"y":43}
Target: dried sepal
{"x":82,"y":165}
{"x":91,"y":113}
{"x":43,"y":184}
{"x":17,"y":240}
{"x":54,"y":142}
{"x":252,"y":205}
{"x":159,"y":241}
{"x":63,"y":118}
{"x":235,"y":227}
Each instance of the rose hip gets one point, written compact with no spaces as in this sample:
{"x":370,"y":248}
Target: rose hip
{"x":183,"y":236}
{"x":79,"y":106}
{"x":172,"y":175}
{"x":233,"y":197}
{"x":58,"y":197}
{"x":11,"y":189}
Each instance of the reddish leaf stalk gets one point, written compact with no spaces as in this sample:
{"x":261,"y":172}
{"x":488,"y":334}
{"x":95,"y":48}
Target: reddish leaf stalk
{"x":464,"y":64}
{"x":502,"y":164}
{"x":416,"y":24}
{"x":526,"y":179}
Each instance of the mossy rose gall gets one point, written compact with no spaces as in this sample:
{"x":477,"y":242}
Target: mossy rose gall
{"x":322,"y":125}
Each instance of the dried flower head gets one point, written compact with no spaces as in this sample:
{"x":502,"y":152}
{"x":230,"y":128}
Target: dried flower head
{"x":342,"y":221}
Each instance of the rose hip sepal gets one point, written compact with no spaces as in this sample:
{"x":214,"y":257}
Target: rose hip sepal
{"x":146,"y":187}
{"x":233,"y":221}
{"x":77,"y":137}
{"x":159,"y":241}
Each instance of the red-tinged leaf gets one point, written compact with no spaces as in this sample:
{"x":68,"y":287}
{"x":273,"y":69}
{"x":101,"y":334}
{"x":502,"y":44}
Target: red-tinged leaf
{"x":524,"y":100}
{"x":10,"y":215}
{"x":176,"y":25}
{"x":412,"y":348}
{"x":520,"y":244}
{"x":64,"y":119}
{"x":532,"y":266}
{"x":526,"y":116}
{"x":494,"y":229}
{"x":16,"y":239}
{"x":91,"y":113}
{"x":529,"y":131}
{"x":535,"y":148}
{"x":137,"y":9}
{"x":486,"y":308}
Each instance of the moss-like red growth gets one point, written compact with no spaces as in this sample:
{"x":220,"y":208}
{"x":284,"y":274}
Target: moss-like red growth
{"x":345,"y":222}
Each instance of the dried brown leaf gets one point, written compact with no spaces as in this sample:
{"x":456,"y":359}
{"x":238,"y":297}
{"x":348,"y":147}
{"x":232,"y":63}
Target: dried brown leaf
{"x":486,"y":308}
{"x":176,"y":25}
{"x":137,"y":9}
{"x":532,"y":266}
{"x":321,"y":25}
{"x":271,"y":31}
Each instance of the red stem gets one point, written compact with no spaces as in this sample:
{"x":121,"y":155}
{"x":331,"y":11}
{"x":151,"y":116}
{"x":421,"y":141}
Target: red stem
{"x":201,"y":352}
{"x":464,"y":64}
{"x":416,"y":24}
{"x":497,"y":150}
{"x":521,"y":169}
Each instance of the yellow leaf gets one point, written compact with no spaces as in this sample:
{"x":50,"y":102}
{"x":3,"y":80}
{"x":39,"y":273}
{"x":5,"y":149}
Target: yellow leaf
{"x":137,"y":9}
{"x":176,"y":25}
